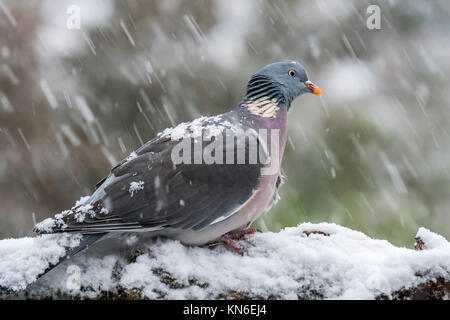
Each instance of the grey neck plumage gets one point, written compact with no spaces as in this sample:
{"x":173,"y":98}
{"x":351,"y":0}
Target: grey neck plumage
{"x":261,"y":86}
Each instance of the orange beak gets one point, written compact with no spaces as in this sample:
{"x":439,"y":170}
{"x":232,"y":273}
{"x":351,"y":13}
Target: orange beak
{"x":313,"y":88}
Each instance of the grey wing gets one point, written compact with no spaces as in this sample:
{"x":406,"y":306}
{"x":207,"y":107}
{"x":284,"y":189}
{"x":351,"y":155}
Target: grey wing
{"x":149,"y":192}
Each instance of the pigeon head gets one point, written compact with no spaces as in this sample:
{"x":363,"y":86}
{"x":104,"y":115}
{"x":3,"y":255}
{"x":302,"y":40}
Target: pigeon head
{"x":282,"y":81}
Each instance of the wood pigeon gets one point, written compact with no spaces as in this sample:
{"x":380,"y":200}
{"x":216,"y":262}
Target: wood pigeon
{"x":196,"y":200}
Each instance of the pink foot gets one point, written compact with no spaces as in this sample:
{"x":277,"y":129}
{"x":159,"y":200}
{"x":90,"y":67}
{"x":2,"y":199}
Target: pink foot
{"x":229,"y":239}
{"x":239,"y":234}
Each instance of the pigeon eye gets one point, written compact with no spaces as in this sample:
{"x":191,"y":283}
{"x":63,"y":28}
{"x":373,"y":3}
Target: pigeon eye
{"x":292,"y":73}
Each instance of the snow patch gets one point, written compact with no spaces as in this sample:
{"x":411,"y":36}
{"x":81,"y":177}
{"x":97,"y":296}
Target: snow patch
{"x":132,"y":156}
{"x":209,"y":126}
{"x":80,"y":209}
{"x":136,"y":186}
{"x":432,"y":240}
{"x":338,"y":263}
{"x":22,"y":260}
{"x":82,"y":201}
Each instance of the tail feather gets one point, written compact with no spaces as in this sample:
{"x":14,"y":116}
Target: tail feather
{"x":86,"y":241}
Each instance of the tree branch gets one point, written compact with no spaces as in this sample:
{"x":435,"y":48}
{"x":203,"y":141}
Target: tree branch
{"x":310,"y":261}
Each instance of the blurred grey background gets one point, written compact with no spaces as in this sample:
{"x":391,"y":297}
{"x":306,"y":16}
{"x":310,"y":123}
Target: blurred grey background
{"x":372,"y":153}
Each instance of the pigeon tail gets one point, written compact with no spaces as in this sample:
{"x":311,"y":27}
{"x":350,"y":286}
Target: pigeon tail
{"x":86,"y":241}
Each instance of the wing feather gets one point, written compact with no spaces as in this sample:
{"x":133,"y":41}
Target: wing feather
{"x":177,"y":196}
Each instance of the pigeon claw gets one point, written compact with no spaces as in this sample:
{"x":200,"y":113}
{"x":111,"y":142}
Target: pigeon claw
{"x":229,"y":239}
{"x":236,"y":235}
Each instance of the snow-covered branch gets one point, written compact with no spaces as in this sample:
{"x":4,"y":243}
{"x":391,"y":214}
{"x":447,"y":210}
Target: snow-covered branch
{"x":311,"y":261}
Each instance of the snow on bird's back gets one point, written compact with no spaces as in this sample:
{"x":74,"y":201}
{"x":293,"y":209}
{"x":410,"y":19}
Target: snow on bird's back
{"x":135,"y":187}
{"x":209,"y":126}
